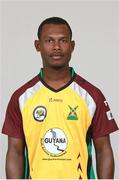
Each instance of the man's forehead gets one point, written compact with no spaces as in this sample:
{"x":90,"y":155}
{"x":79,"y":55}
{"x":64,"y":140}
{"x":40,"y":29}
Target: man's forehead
{"x":55,"y":29}
{"x":56,"y":36}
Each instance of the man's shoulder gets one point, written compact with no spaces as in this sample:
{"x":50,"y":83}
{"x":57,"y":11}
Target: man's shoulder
{"x":88,"y":87}
{"x":84,"y":82}
{"x":29,"y":84}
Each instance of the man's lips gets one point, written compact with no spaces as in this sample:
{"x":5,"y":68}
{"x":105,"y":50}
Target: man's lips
{"x":56,"y":55}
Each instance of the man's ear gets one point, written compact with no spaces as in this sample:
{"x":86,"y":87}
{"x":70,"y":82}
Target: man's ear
{"x":37,"y":45}
{"x":73,"y":45}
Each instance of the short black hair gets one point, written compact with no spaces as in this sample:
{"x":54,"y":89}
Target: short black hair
{"x":53,"y":20}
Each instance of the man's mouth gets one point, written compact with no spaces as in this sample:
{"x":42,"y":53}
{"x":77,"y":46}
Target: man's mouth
{"x":56,"y":55}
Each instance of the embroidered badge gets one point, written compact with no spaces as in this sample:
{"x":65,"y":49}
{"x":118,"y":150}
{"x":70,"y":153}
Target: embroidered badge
{"x":72,"y":115}
{"x":39,"y":113}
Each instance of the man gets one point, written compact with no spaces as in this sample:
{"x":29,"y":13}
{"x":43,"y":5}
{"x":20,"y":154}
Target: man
{"x":56,"y":116}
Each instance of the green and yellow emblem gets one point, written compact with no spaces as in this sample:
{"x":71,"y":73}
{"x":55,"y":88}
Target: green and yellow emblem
{"x":39,"y":113}
{"x":72,"y":115}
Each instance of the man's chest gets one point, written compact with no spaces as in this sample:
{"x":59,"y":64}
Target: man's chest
{"x":64,"y":110}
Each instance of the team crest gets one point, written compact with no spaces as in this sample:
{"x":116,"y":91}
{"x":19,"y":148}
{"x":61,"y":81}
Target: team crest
{"x":72,"y":115}
{"x":39,"y":113}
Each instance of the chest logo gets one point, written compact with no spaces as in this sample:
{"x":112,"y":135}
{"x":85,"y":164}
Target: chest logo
{"x":39,"y":113}
{"x":54,"y":142}
{"x":72,"y":114}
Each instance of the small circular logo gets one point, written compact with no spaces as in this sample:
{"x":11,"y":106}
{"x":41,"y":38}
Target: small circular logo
{"x":39,"y":113}
{"x":54,"y":142}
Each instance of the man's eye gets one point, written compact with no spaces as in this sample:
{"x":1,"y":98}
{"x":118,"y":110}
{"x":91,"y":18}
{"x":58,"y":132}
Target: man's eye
{"x":49,"y":40}
{"x":64,"y":40}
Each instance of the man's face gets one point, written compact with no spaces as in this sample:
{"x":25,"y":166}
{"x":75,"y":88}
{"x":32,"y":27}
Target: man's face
{"x":55,"y":45}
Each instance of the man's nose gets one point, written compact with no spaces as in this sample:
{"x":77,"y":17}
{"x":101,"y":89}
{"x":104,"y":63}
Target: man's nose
{"x":57,"y":45}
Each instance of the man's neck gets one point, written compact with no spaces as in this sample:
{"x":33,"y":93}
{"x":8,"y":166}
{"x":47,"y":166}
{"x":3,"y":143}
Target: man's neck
{"x":56,"y":78}
{"x":50,"y":74}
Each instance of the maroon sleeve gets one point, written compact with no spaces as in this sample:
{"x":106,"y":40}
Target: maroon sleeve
{"x":103,"y":122}
{"x":13,"y":121}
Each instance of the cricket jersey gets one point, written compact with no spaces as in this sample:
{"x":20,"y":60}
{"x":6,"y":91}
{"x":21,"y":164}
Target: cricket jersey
{"x":58,"y":126}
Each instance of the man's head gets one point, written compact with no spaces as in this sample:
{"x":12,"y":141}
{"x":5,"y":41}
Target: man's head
{"x":55,"y":42}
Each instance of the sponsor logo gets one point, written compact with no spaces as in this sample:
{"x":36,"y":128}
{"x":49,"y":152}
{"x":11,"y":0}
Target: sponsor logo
{"x":109,"y":115}
{"x":72,"y":114}
{"x":54,"y":142}
{"x":39,"y":113}
{"x":55,"y":100}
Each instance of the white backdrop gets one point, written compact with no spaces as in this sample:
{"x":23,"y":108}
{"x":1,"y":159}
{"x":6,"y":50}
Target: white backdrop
{"x":95,"y":31}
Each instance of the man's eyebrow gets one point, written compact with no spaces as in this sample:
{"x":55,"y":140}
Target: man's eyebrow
{"x":64,"y":37}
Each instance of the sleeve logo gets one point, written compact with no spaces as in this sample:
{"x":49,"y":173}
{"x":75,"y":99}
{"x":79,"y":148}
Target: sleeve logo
{"x":109,"y":115}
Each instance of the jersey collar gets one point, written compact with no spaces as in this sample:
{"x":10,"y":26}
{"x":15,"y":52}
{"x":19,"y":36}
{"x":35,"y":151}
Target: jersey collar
{"x":65,"y":86}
